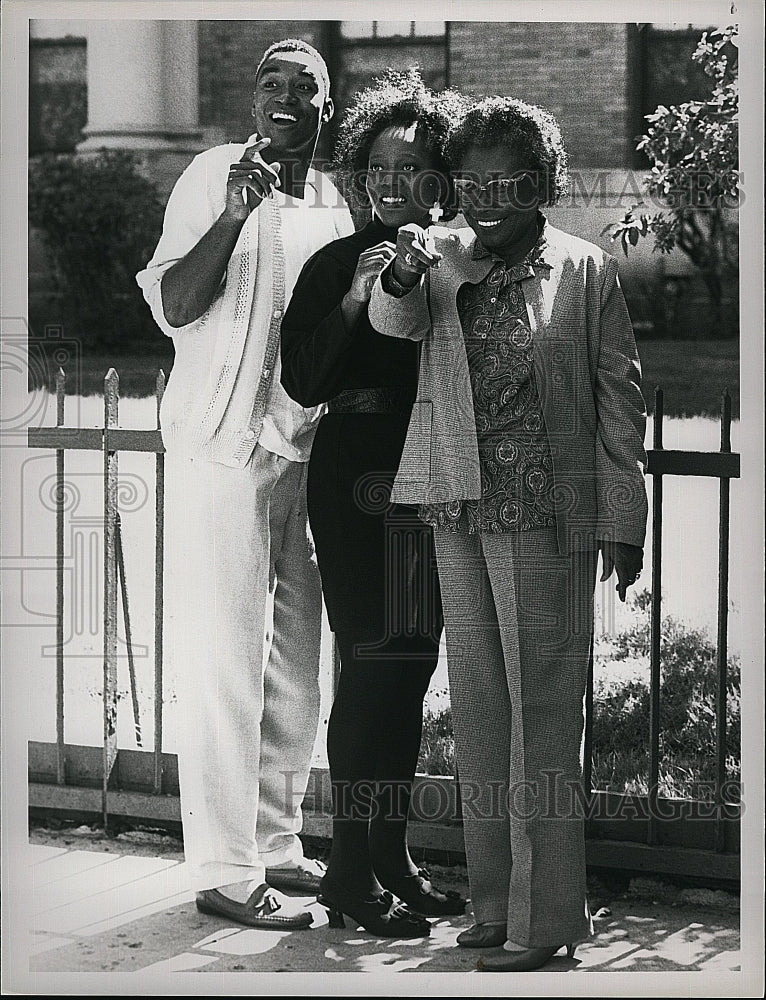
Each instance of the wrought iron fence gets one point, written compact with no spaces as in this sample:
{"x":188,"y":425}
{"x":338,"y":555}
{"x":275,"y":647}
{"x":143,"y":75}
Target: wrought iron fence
{"x":637,"y":832}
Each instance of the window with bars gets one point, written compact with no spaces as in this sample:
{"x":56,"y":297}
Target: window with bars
{"x":365,"y":49}
{"x":384,"y":30}
{"x":58,"y":98}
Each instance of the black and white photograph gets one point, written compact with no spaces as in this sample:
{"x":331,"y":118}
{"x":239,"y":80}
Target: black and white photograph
{"x":382,"y":498}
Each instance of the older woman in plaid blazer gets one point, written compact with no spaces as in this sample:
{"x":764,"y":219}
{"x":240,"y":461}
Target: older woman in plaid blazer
{"x":525,"y":452}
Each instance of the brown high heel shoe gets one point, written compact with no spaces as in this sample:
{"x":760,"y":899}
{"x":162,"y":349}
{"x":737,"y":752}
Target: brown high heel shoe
{"x":521,"y":961}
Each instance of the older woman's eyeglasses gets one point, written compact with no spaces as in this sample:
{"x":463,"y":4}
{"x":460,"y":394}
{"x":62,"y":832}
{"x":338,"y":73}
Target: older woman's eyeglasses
{"x":518,"y":190}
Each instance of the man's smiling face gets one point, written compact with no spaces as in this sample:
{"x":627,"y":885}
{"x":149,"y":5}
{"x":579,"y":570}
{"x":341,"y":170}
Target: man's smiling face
{"x":290,"y":103}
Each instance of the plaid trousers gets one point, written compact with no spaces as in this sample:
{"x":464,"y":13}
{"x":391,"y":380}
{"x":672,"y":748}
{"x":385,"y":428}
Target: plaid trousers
{"x":518,"y":623}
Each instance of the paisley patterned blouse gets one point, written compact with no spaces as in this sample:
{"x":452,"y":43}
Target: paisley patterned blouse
{"x":514,"y":454}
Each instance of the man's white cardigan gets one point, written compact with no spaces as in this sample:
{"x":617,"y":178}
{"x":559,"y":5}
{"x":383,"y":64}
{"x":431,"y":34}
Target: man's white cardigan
{"x":211,"y":407}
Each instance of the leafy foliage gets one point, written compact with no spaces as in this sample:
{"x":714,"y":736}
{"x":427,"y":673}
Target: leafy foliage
{"x":437,"y":746}
{"x":688,"y":686}
{"x":100,"y":219}
{"x":621,"y":695}
{"x":694,"y":149}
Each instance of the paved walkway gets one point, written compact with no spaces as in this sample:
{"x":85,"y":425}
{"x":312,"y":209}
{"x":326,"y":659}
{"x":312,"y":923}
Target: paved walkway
{"x":123,"y":905}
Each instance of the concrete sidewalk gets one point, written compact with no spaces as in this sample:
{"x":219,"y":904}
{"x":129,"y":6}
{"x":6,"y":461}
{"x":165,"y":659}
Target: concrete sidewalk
{"x":123,"y":905}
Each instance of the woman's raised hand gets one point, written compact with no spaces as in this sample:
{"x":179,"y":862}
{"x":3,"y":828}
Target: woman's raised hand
{"x":253,"y":175}
{"x":371,"y":263}
{"x":415,"y":253}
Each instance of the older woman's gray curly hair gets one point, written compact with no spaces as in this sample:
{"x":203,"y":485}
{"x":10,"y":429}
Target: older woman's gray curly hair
{"x":529,"y":131}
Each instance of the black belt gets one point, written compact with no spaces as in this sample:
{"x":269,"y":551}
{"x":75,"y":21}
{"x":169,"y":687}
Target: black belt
{"x":382,"y":399}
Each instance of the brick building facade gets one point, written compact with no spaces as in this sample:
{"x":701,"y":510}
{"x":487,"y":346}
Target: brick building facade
{"x":592,"y":76}
{"x":195,"y":90}
{"x":585,"y":74}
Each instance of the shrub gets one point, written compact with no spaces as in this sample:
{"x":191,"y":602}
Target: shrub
{"x":437,"y":746}
{"x":688,"y":686}
{"x":100,"y":219}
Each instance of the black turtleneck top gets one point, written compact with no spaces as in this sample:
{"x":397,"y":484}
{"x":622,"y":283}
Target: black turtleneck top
{"x":320,"y":357}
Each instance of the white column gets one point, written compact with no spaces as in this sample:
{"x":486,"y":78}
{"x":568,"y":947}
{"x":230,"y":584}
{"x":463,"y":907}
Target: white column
{"x":142,"y":85}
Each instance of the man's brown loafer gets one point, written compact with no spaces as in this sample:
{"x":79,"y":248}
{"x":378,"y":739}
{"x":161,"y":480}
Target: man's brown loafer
{"x":258,"y":911}
{"x":298,"y":879}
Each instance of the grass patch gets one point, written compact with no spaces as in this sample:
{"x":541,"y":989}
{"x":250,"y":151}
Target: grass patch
{"x":137,"y":371}
{"x":692,"y":374}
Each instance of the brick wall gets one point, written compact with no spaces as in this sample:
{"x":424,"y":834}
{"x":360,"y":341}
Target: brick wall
{"x":229,"y":52}
{"x":583,"y":73}
{"x":577,"y":71}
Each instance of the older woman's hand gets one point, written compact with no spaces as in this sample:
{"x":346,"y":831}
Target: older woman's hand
{"x":415,"y":253}
{"x":627,"y":559}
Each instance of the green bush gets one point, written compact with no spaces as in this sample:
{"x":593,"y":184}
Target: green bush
{"x":100,"y":219}
{"x":437,"y":745}
{"x":688,"y":685}
{"x":694,"y":153}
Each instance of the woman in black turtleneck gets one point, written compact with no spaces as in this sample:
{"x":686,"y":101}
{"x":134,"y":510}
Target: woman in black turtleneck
{"x":376,"y":559}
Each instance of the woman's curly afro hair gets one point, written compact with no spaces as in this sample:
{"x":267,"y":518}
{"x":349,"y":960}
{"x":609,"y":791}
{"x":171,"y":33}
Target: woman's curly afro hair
{"x":529,"y":131}
{"x":395,"y":98}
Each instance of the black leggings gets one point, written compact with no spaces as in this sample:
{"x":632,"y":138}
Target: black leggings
{"x":381,"y":589}
{"x":373,"y":740}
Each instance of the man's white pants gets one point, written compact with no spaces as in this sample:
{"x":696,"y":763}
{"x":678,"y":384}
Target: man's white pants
{"x":248,"y":708}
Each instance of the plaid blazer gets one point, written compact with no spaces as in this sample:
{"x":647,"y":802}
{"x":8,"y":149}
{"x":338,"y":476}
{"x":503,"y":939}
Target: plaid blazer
{"x":588,"y":375}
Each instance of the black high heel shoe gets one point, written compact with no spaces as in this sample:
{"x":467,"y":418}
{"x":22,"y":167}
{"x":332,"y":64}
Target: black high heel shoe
{"x":379,"y":915}
{"x":423,"y":897}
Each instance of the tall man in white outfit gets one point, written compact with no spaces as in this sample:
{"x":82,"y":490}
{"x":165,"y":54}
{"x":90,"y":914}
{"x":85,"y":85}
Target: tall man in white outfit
{"x":239,"y":224}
